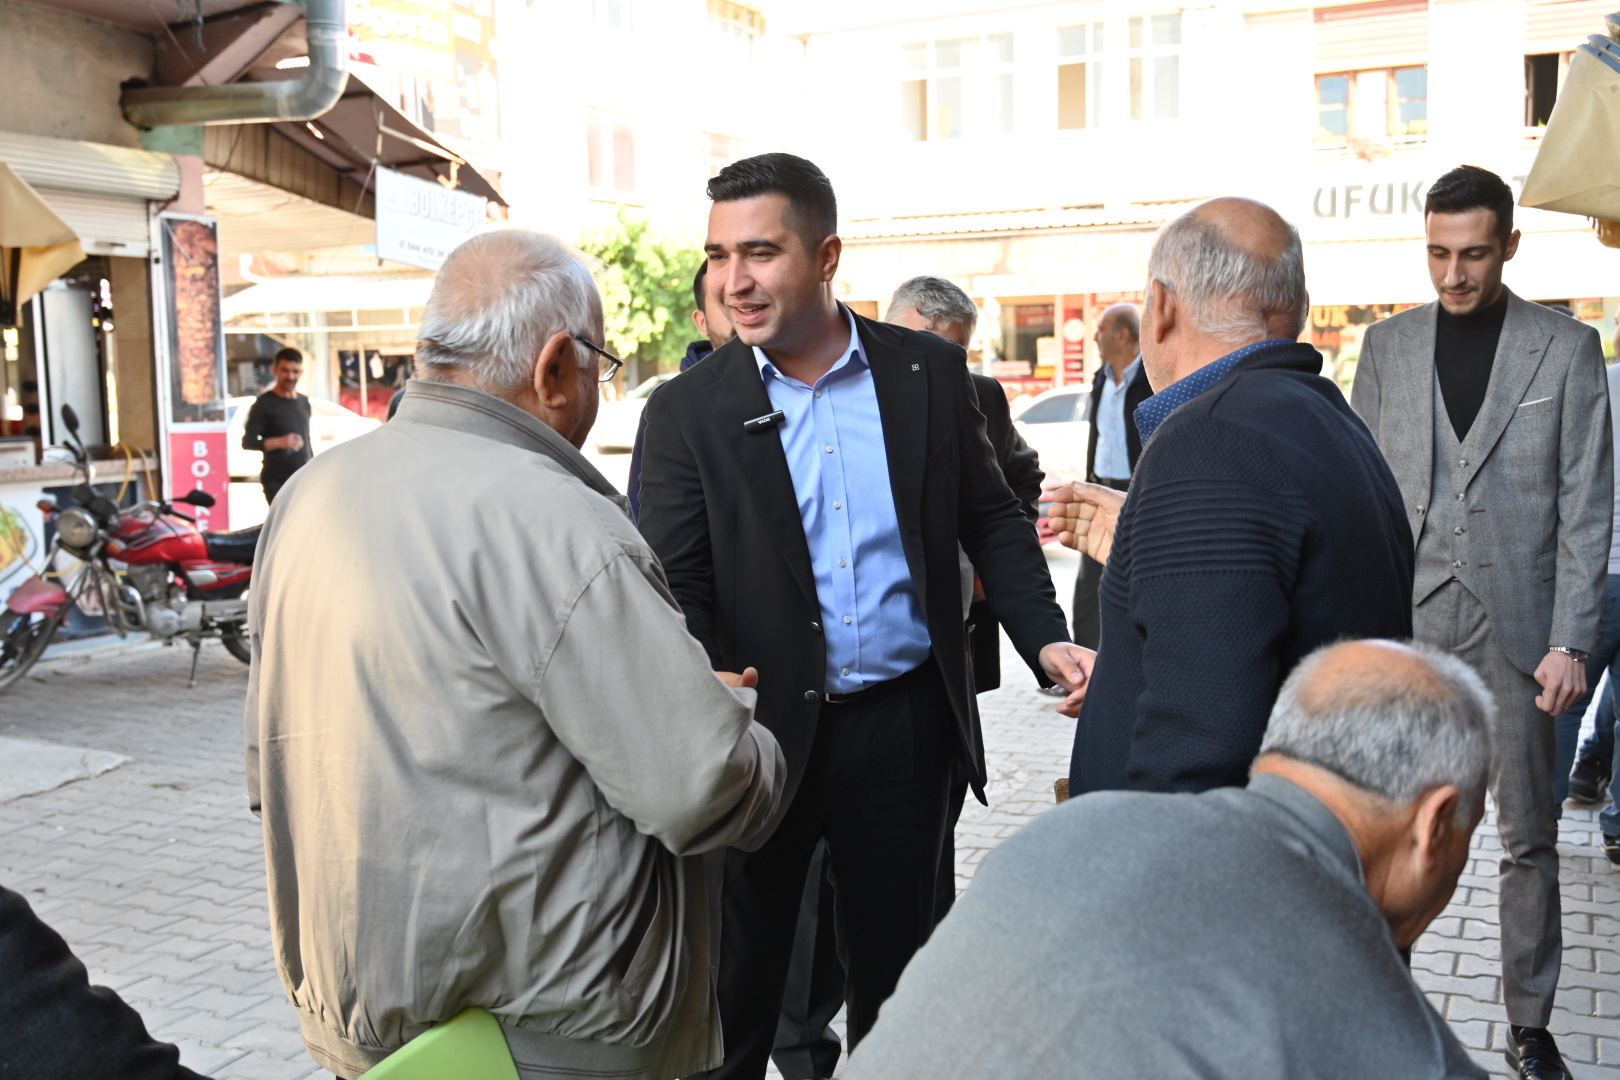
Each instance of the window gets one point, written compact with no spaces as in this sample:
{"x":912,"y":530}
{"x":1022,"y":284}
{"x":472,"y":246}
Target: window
{"x":1057,"y":409}
{"x":1080,"y":74}
{"x":1372,"y":104}
{"x":1543,"y":78}
{"x":1154,"y":49}
{"x":721,"y":150}
{"x":612,"y":14}
{"x":610,"y":145}
{"x":957,"y":87}
{"x":736,"y":26}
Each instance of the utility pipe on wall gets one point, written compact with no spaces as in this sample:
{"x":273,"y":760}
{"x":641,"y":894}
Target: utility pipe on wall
{"x":304,"y":98}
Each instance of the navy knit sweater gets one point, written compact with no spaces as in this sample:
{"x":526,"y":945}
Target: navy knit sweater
{"x":1262,"y":523}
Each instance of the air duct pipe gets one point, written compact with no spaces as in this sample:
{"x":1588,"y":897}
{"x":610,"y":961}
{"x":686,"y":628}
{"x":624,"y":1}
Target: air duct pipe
{"x":304,"y":98}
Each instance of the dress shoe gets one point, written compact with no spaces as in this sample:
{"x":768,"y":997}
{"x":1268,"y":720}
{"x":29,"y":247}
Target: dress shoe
{"x":1588,"y":779}
{"x":1533,"y":1054}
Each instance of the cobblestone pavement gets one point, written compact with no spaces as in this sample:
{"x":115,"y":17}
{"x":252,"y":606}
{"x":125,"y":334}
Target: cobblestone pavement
{"x":154,"y":871}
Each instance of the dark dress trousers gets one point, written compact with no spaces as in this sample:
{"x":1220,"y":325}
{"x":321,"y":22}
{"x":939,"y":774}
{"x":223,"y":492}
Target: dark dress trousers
{"x":871,"y":778}
{"x":1263,"y":522}
{"x":1087,"y":627}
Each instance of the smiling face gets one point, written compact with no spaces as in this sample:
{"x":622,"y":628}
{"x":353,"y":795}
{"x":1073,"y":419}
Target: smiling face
{"x":1466,"y":257}
{"x":774,"y":287}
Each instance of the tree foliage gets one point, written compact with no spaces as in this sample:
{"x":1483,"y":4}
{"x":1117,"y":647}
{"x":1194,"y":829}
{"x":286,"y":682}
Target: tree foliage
{"x":646,"y":282}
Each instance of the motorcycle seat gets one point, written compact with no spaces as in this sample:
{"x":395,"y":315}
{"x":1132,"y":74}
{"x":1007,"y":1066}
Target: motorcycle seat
{"x":233,"y":547}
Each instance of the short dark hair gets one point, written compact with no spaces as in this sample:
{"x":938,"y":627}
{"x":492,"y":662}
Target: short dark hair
{"x":697,"y":286}
{"x":289,"y":354}
{"x":811,"y":203}
{"x":1469,"y":187}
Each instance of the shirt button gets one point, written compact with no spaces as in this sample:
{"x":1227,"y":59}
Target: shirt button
{"x":841,"y":562}
{"x":1459,"y":496}
{"x":846,"y":671}
{"x":1457,"y":564}
{"x":818,"y":393}
{"x":1462,"y":463}
{"x":829,"y":449}
{"x":811,"y":695}
{"x":847,"y":620}
{"x":1420,"y":508}
{"x":1458,"y":531}
{"x":838,"y":506}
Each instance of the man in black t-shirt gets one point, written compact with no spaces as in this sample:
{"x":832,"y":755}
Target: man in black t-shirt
{"x":278,"y":424}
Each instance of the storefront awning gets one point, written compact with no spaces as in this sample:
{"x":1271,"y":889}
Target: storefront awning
{"x":101,"y":191}
{"x":293,"y":295}
{"x":35,"y":245}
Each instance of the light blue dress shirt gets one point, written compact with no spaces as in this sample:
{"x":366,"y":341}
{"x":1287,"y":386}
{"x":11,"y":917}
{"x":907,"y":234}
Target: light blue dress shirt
{"x":1113,"y":455}
{"x":833,"y":435}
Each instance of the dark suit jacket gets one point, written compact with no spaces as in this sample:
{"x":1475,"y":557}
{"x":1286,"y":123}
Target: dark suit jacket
{"x":1137,"y":392}
{"x":718,"y":508}
{"x":1262,"y":523}
{"x":1022,"y":468}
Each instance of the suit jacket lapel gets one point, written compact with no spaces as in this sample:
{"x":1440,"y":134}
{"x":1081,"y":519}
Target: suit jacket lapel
{"x":900,"y":377}
{"x":740,"y":396}
{"x":1518,"y":356}
{"x":1416,"y":385}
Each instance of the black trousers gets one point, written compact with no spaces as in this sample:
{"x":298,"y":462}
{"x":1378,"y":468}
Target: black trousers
{"x":875,"y":789}
{"x":806,"y":1046}
{"x":1087,"y":619}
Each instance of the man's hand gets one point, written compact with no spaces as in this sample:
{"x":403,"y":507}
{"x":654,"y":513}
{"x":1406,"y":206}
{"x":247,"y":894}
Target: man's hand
{"x":1070,"y":667}
{"x":1563,"y":681}
{"x":748,"y":679}
{"x":293,"y":441}
{"x":1084,"y":516}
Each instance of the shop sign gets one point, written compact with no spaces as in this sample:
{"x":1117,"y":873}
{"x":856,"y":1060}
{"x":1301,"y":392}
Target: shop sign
{"x":438,"y":61}
{"x":1074,"y":344}
{"x":420,"y":222}
{"x":197,"y":462}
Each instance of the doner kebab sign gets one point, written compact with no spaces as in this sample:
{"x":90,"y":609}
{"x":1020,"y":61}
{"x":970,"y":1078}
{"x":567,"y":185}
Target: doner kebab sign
{"x":420,"y":222}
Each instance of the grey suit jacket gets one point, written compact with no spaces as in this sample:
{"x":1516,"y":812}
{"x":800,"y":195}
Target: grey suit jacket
{"x":1539,"y":481}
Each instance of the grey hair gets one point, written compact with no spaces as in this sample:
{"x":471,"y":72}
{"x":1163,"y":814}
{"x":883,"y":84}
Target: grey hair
{"x":1393,"y":737}
{"x":1229,"y":293}
{"x":497,"y":300}
{"x":935,"y":299}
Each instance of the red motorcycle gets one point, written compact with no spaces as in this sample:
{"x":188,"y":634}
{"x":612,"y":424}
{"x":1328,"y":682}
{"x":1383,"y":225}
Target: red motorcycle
{"x":147,"y":568}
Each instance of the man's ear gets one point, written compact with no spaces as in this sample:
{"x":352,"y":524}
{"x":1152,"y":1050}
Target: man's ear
{"x":1434,"y":823}
{"x":1512,"y":245}
{"x":827,"y":256}
{"x":1165,"y":311}
{"x":556,"y":372}
{"x":701,"y":323}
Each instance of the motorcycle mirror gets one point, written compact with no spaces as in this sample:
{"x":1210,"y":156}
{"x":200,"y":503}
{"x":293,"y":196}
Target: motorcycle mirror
{"x":71,"y":419}
{"x":197,"y":498}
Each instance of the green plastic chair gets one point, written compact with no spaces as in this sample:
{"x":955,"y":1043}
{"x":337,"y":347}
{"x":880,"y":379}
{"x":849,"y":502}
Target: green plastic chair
{"x":470,"y":1046}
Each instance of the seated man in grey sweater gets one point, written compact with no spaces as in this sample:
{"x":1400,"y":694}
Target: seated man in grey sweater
{"x":1251,"y":932}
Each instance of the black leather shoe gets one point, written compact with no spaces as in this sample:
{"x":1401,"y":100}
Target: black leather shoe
{"x":1588,"y":779}
{"x":1533,"y":1055}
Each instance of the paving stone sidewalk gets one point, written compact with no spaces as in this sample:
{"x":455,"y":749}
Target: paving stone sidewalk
{"x":154,"y":871}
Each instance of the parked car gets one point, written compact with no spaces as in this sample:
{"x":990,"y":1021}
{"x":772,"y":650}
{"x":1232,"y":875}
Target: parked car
{"x":1055,"y":424}
{"x":329,"y":424}
{"x":616,"y":424}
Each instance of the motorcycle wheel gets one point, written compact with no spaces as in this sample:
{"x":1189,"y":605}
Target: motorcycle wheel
{"x":235,"y":640}
{"x":22,"y":640}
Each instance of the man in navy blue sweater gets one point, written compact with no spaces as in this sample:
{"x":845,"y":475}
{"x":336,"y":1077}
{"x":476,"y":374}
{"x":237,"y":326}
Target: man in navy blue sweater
{"x":1262,"y":522}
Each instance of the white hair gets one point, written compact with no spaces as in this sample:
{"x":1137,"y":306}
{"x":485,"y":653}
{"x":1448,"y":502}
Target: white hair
{"x":1229,"y":293}
{"x":497,"y":300}
{"x":936,"y":300}
{"x":1393,"y":737}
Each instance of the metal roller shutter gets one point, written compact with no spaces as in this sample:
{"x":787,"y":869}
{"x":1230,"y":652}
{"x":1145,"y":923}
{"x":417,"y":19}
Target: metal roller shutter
{"x":101,"y":191}
{"x":1562,"y":25}
{"x":1394,"y":33}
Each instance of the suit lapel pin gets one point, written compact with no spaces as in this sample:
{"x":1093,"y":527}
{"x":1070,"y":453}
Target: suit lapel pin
{"x":916,"y":367}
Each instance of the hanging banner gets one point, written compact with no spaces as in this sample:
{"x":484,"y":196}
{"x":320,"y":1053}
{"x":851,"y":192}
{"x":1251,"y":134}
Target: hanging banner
{"x":197,"y":462}
{"x":420,"y":222}
{"x":196,"y":334}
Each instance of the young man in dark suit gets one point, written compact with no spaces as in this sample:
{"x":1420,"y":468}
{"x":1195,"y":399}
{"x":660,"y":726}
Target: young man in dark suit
{"x":806,"y":488}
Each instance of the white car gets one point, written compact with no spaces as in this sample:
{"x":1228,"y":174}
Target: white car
{"x":1055,"y":424}
{"x":616,"y":424}
{"x":329,"y":424}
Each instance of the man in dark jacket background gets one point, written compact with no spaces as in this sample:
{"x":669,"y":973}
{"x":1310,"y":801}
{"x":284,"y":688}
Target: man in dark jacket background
{"x":1263,"y":521}
{"x":1113,"y":444}
{"x":278,"y":425}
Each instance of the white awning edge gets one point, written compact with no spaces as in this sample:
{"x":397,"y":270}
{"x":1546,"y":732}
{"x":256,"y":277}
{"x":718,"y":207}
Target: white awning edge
{"x":90,"y":168}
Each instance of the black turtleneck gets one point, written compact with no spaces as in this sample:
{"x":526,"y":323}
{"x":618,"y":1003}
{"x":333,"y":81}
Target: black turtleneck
{"x":1464,"y":350}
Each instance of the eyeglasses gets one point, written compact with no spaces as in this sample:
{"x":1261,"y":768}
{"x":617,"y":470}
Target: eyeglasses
{"x":610,"y":363}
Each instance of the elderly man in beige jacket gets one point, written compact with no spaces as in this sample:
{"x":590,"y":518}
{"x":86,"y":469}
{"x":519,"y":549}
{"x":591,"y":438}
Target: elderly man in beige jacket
{"x":483,"y":745}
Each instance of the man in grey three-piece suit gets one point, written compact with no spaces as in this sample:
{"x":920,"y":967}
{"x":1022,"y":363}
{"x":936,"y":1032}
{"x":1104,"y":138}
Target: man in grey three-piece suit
{"x":1493,"y":413}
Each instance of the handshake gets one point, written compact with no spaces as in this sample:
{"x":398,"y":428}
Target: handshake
{"x":1083,"y":517}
